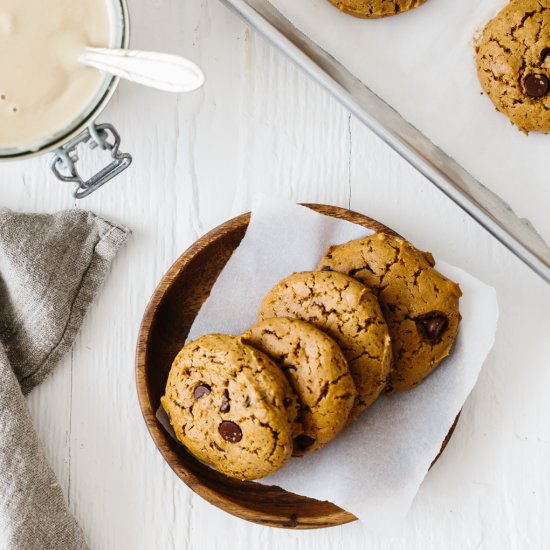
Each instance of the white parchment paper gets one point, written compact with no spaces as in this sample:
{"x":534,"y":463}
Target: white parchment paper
{"x":375,"y":467}
{"x":422,"y":63}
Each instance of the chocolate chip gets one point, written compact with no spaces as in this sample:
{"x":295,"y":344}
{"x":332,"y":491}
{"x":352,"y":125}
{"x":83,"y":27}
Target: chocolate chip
{"x":202,"y":390}
{"x":303,"y":442}
{"x":326,"y":268}
{"x":536,"y":85}
{"x":230,"y":431}
{"x":544,"y":54}
{"x":432,"y":326}
{"x":225,"y":402}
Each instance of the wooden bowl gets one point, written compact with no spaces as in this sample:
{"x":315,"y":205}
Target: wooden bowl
{"x":163,"y":331}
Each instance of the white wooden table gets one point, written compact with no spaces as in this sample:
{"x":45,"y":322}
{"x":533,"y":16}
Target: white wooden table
{"x":260,"y":125}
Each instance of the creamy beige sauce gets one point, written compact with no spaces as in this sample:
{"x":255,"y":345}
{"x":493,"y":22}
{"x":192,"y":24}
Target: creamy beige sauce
{"x":43,"y":89}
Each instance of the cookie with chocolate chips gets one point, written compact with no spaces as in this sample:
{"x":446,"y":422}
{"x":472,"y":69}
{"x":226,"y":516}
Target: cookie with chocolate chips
{"x":513,"y":63}
{"x":375,"y":8}
{"x":232,"y":407}
{"x":317,"y":371}
{"x":420,"y":305}
{"x":349,"y":313}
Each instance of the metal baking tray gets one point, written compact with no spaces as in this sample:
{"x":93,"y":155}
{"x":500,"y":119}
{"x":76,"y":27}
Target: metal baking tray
{"x":487,"y":208}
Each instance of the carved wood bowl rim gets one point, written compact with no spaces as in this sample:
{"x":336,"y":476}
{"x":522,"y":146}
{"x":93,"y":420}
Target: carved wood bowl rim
{"x":265,"y":505}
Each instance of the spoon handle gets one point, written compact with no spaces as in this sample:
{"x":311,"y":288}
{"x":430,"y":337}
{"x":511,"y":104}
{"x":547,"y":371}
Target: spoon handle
{"x":171,"y":73}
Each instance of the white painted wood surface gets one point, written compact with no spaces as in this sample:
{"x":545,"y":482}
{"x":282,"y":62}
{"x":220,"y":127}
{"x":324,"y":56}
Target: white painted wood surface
{"x":260,"y":125}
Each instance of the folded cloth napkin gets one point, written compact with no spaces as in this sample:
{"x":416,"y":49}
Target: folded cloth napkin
{"x":51,"y":267}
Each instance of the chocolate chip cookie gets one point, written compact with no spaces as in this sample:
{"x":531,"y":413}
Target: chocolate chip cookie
{"x":231,"y":406}
{"x":513,"y":63}
{"x":317,"y":371}
{"x":348,"y":312}
{"x":375,"y":8}
{"x":420,"y":305}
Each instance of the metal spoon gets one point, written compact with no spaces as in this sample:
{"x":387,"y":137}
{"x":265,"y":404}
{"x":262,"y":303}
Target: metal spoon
{"x":171,"y":73}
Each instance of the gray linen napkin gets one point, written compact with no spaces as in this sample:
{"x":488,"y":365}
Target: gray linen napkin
{"x":51,"y":267}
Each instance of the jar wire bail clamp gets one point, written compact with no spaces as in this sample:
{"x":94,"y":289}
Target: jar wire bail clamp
{"x":63,"y":163}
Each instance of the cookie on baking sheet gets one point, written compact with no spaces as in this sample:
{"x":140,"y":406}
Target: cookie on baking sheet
{"x":317,"y":371}
{"x":513,"y":63}
{"x":231,"y":406}
{"x":348,"y":312}
{"x":420,"y":305}
{"x":375,"y":8}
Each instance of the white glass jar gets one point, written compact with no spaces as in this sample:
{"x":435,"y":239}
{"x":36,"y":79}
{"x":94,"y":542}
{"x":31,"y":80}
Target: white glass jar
{"x":83,"y":129}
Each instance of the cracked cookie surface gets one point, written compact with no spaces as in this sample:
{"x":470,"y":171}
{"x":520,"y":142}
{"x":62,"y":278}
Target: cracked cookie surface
{"x":375,"y":8}
{"x":317,"y":371}
{"x":231,"y":406}
{"x":349,"y":313}
{"x":420,"y":305}
{"x":513,"y":63}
